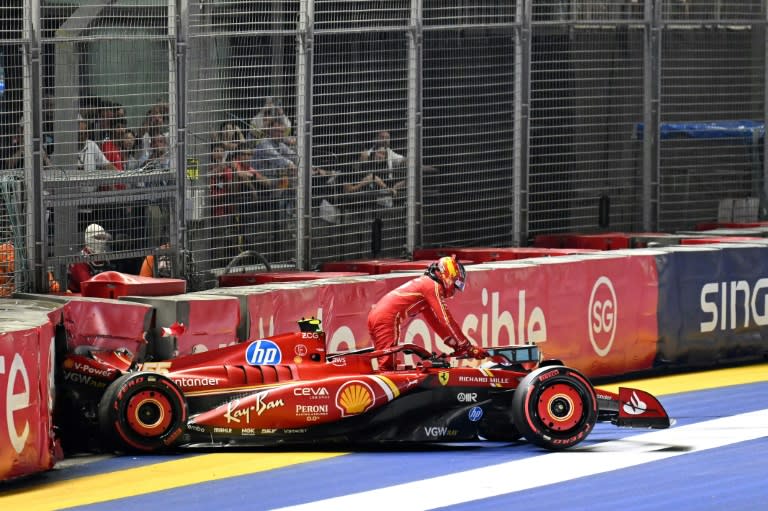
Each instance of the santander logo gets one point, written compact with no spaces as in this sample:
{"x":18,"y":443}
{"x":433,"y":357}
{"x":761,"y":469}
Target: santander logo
{"x":601,"y":315}
{"x":636,"y":406}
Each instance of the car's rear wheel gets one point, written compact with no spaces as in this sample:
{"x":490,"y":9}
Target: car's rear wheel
{"x":143,"y":411}
{"x":555,"y":407}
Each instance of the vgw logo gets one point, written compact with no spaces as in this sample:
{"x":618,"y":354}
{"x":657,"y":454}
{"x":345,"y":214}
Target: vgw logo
{"x":601,"y":316}
{"x":263,"y":352}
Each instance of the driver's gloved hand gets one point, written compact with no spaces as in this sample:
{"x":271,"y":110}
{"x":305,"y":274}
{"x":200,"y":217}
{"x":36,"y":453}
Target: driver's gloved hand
{"x":476,"y":352}
{"x":466,"y":349}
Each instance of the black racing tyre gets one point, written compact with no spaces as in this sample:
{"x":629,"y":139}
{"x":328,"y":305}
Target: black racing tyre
{"x":555,"y":407}
{"x":143,"y":412}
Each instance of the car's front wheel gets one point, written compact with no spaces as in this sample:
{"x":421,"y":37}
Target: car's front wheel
{"x":143,"y":411}
{"x":555,"y":407}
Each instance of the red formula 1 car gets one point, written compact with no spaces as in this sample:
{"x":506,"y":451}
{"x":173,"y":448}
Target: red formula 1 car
{"x":287,"y":389}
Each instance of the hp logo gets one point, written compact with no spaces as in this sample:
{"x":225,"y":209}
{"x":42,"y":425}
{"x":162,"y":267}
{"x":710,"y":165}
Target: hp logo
{"x":475,"y":413}
{"x":263,"y":352}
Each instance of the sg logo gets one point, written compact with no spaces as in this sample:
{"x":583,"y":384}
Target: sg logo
{"x":601,"y":316}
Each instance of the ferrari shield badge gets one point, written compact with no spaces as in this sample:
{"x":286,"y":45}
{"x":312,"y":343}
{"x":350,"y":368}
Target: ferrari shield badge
{"x":443,"y":377}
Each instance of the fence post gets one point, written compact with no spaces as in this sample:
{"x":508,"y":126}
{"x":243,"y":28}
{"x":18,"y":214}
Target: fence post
{"x":652,"y":93}
{"x":304,"y":80}
{"x":522,"y":98}
{"x":763,"y":212}
{"x":415,"y":156}
{"x":180,"y":24}
{"x":33,"y":119}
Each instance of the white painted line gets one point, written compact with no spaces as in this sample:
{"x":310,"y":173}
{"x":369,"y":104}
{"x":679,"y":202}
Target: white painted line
{"x":554,"y":468}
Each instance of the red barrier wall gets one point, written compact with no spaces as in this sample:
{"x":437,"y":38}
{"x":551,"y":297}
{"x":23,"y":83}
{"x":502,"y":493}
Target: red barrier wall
{"x":26,"y":400}
{"x":597,"y":313}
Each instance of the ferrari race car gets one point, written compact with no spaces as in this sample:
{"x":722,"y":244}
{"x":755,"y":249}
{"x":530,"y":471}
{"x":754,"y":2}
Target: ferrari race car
{"x":287,"y":389}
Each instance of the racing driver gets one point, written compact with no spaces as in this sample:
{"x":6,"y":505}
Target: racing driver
{"x":426,"y":293}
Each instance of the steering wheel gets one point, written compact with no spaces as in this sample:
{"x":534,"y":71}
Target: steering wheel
{"x":434,"y":359}
{"x":414,"y":349}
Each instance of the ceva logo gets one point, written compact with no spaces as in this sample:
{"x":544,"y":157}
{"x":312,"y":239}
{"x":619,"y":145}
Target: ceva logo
{"x":601,"y":315}
{"x":263,"y":352}
{"x":16,"y":400}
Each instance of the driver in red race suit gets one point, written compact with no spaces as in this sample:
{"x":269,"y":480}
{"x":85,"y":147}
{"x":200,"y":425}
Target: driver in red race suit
{"x":425,"y":294}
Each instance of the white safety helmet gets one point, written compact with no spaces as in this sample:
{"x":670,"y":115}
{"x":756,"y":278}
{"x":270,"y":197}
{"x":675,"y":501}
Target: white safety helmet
{"x":97,"y":239}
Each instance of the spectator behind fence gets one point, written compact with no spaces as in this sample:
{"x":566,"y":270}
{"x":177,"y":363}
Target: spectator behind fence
{"x":230,"y":136}
{"x":381,"y":165}
{"x":8,"y":269}
{"x":222,"y":182}
{"x":396,"y":162}
{"x":158,"y":265}
{"x":159,"y":156}
{"x":255,"y":180}
{"x":91,"y":157}
{"x":383,"y":141}
{"x":277,"y":162}
{"x":364,"y":188}
{"x":107,"y":124}
{"x":276,"y":153}
{"x":258,"y":196}
{"x":272,"y":109}
{"x":96,"y":242}
{"x":130,"y":151}
{"x":223,"y":198}
{"x":155,"y":123}
{"x":13,"y":155}
{"x":276,"y":156}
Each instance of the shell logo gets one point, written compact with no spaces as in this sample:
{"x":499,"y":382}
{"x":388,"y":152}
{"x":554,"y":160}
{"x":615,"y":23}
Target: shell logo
{"x":354,"y":398}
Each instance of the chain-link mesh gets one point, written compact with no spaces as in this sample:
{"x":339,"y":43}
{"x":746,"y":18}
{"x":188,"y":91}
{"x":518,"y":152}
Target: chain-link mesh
{"x":586,"y":96}
{"x":15,"y":146}
{"x":468,"y":129}
{"x":360,"y":128}
{"x":108,"y":125}
{"x":241,"y":97}
{"x":707,"y":11}
{"x":712,"y":78}
{"x":311,"y":130}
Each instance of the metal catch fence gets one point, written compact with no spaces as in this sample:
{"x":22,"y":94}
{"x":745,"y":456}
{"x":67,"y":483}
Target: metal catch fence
{"x":316,"y":130}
